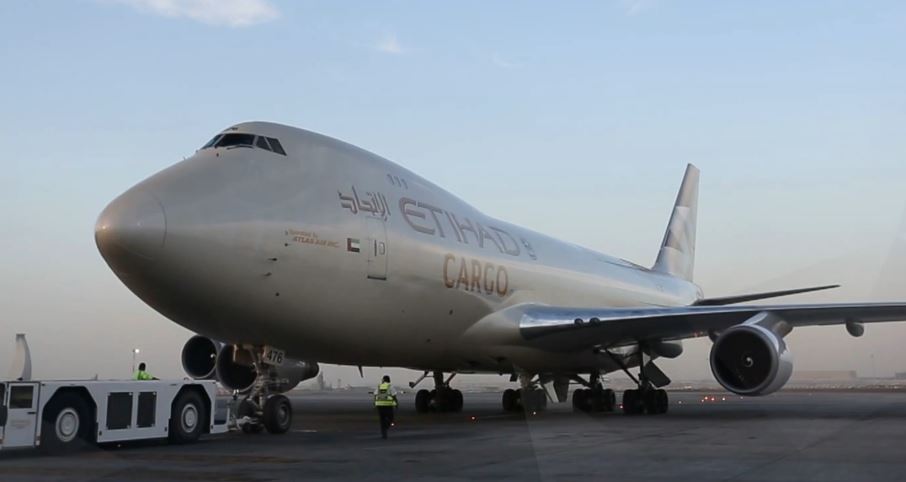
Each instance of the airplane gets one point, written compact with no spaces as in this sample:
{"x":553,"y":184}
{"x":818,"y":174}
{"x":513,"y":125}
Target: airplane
{"x":283,"y":248}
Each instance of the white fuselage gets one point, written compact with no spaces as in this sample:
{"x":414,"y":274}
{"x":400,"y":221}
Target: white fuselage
{"x":335,"y":254}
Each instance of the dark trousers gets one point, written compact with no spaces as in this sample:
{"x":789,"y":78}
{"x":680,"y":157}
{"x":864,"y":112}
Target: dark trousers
{"x":386,"y":415}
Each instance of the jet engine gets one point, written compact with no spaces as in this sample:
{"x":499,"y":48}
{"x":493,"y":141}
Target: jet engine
{"x":236,"y":371}
{"x":752,"y":359}
{"x":199,"y":357}
{"x":233,"y":366}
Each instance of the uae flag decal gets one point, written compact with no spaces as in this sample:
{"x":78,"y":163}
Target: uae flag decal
{"x":352,"y":244}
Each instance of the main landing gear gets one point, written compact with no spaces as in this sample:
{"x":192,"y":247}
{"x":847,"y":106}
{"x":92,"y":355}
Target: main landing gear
{"x":529,"y":398}
{"x":647,"y":399}
{"x":441,"y":399}
{"x":595,"y":398}
{"x":262,"y":408}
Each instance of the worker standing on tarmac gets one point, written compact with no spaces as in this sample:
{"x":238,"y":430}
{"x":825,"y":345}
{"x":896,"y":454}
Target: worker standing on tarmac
{"x":141,"y":374}
{"x":385,"y":402}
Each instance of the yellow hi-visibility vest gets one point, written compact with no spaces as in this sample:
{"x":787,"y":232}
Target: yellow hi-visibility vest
{"x":383,"y":397}
{"x":142,"y":375}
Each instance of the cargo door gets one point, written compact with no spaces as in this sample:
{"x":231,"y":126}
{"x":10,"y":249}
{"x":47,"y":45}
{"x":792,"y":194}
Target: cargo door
{"x":376,"y":248}
{"x":22,"y":415}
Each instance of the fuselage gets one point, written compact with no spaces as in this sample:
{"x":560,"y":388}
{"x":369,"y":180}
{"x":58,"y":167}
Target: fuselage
{"x":335,"y":254}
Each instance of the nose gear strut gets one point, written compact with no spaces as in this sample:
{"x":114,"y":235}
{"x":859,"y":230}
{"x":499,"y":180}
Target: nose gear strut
{"x":263,"y":407}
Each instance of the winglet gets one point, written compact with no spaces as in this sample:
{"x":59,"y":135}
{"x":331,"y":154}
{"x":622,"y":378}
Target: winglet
{"x":677,"y":254}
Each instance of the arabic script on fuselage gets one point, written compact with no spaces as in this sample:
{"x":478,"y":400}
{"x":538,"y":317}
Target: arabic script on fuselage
{"x":374,"y":203}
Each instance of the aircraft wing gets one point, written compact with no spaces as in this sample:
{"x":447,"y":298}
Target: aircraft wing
{"x":565,"y":329}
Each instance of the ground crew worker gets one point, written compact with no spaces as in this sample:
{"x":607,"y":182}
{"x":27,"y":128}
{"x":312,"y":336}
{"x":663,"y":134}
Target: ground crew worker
{"x":141,"y":374}
{"x":385,"y":402}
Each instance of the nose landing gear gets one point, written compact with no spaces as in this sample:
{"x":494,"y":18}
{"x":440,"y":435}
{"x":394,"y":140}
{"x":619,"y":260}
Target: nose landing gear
{"x":263,"y":408}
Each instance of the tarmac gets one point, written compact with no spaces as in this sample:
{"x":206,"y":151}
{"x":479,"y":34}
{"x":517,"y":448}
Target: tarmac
{"x":795,"y":435}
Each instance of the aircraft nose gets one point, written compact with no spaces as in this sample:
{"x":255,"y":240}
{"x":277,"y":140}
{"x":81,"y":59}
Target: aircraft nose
{"x":131,"y":230}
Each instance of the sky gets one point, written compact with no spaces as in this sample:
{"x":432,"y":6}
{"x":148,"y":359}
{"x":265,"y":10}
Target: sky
{"x":575,"y":119}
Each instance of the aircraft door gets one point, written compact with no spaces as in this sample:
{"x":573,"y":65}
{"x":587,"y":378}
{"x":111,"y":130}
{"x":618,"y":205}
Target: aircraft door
{"x":377,"y":248}
{"x":21,"y":415}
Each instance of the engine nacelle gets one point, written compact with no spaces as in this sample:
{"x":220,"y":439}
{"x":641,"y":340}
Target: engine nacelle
{"x":199,"y":357}
{"x":750,"y":359}
{"x":235,"y":370}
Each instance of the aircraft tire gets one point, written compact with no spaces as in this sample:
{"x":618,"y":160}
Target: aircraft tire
{"x":662,"y":401}
{"x":534,"y":400}
{"x":650,"y":402}
{"x":423,"y":401}
{"x":580,"y":397}
{"x":610,"y":400}
{"x":278,"y":414}
{"x":510,"y":400}
{"x":632,"y":403}
{"x":598,"y":400}
{"x":457,"y":401}
{"x":440,"y":400}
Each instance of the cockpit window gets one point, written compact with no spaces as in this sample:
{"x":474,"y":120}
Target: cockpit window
{"x":246,"y":140}
{"x":212,"y":141}
{"x":262,"y":143}
{"x":236,"y":140}
{"x":275,"y":145}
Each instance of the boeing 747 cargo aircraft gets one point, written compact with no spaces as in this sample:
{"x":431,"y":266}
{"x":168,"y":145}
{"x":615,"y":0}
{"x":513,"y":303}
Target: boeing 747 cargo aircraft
{"x":283,"y":248}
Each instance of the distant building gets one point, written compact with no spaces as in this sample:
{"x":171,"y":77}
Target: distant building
{"x":900,"y":375}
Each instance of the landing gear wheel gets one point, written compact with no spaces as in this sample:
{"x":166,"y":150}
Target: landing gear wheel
{"x":596,"y":401}
{"x":65,"y":425}
{"x":632,"y":402}
{"x":602,"y":400}
{"x":434,"y":403}
{"x":534,"y":400}
{"x":662,"y":401}
{"x":440,"y":400}
{"x":248,"y":409}
{"x":423,"y":401}
{"x":510,"y":400}
{"x":456,"y":401}
{"x":278,"y":414}
{"x":187,"y":418}
{"x":610,"y":400}
{"x":649,"y":400}
{"x":581,"y":400}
